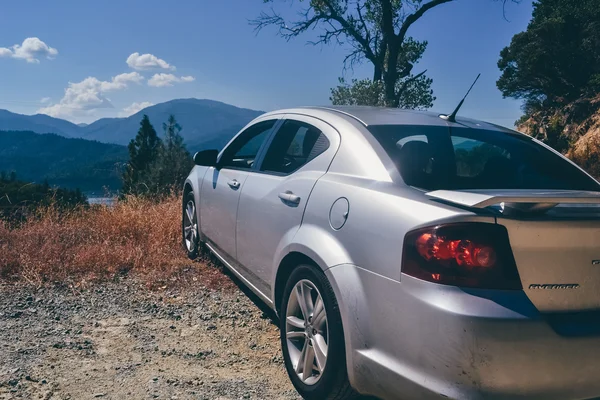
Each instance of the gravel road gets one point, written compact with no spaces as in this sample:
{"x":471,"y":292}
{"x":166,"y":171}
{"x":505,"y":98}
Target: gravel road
{"x":123,"y":341}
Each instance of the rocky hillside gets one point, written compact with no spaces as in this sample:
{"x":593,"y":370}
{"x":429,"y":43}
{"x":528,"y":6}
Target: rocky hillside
{"x":574,"y":130}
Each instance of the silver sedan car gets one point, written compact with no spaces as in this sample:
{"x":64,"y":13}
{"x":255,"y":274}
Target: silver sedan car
{"x":408,"y":256}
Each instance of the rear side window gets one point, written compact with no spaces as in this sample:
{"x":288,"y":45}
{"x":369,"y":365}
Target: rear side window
{"x":294,"y":145}
{"x":438,"y":157}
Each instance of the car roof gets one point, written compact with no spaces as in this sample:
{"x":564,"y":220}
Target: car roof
{"x":369,"y":116}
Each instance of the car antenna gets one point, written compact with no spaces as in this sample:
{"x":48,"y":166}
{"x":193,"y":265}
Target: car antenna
{"x":452,"y":117}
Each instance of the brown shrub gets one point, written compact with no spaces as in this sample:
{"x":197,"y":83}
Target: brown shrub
{"x":136,"y":235}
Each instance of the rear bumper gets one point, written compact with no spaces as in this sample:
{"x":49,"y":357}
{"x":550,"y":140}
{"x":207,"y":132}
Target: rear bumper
{"x":418,"y":340}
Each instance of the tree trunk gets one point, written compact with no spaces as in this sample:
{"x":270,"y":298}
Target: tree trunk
{"x":390,"y":76}
{"x":377,"y":74}
{"x":390,"y":56}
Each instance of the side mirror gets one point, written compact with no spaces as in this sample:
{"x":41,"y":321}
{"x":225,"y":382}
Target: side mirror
{"x":206,"y":158}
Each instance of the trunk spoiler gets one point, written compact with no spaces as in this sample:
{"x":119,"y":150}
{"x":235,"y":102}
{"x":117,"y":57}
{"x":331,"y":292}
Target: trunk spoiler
{"x":524,"y":200}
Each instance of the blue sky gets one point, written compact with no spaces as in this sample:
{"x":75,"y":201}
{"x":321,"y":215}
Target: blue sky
{"x":78,"y":68}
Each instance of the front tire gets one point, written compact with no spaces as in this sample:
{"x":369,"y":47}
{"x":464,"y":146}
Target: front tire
{"x":312,"y":337}
{"x":191,"y":237}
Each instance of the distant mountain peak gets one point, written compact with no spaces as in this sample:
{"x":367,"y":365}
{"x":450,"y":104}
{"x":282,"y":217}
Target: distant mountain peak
{"x":204,"y":122}
{"x":39,"y":123}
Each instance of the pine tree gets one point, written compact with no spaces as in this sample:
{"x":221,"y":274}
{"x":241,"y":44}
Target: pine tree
{"x":173,"y":162}
{"x":143,"y":152}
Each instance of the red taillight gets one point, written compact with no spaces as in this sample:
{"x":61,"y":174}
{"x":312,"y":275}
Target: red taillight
{"x":468,"y":255}
{"x":464,"y":252}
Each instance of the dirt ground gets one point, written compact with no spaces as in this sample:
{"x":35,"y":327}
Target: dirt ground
{"x":123,"y":341}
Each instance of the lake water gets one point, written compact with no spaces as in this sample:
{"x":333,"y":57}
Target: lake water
{"x":107,"y":201}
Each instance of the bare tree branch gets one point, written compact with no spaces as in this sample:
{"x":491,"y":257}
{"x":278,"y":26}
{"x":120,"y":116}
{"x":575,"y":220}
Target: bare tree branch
{"x":412,"y":18}
{"x":326,"y":37}
{"x":351,"y":59}
{"x":329,"y":15}
{"x":264,"y":20}
{"x":285,"y":31}
{"x":504,"y":7}
{"x":351,"y":30}
{"x":364,"y":26}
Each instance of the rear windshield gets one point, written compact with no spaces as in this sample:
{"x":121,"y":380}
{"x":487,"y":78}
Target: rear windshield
{"x":438,"y":157}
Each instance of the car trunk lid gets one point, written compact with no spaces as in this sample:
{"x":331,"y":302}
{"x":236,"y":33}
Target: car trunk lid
{"x":555,"y":239}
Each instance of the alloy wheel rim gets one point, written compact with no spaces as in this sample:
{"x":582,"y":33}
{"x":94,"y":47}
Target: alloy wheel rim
{"x":307,"y":332}
{"x":190,"y":226}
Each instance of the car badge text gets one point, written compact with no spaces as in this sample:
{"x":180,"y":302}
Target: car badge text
{"x":554,"y":286}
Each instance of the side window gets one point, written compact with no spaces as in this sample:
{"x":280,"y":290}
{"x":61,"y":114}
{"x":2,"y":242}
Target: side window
{"x":242,"y":152}
{"x":474,"y":158}
{"x":414,"y":160}
{"x":294,"y":144}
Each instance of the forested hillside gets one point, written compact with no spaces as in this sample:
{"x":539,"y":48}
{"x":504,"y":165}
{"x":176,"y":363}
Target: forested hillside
{"x":70,"y":163}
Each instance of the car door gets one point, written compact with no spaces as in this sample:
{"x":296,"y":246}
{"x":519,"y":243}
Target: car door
{"x":274,"y":197}
{"x":222,"y":187}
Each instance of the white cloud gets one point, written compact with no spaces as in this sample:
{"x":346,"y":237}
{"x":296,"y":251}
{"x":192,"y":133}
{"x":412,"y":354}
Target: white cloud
{"x":119,"y":82}
{"x":45,"y":100}
{"x":142,"y":62}
{"x":82,"y":97}
{"x":162,"y":80}
{"x":134,"y":108}
{"x":31,"y":50}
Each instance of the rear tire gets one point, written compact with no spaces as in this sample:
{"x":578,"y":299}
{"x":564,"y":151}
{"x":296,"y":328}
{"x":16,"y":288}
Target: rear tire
{"x":189,"y":227}
{"x":317,"y":337}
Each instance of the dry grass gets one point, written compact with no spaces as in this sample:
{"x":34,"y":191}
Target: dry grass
{"x":136,"y":236}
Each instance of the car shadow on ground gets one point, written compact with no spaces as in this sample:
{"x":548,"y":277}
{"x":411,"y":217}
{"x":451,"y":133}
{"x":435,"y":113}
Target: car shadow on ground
{"x":261,"y":305}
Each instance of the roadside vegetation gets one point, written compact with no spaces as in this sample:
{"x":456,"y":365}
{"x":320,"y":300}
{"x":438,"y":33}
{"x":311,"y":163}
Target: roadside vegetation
{"x":20,"y":199}
{"x":137,"y":236}
{"x":53,"y":235}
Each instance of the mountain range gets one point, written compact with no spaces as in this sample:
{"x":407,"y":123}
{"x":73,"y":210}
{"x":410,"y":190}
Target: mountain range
{"x":205,"y":123}
{"x":91,"y":156}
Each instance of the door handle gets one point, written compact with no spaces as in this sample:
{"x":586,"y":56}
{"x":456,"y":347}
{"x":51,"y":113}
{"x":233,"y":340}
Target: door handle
{"x":289,"y":197}
{"x":234,"y":184}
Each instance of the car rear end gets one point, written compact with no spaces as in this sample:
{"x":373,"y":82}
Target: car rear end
{"x":505,"y":304}
{"x":440,"y":341}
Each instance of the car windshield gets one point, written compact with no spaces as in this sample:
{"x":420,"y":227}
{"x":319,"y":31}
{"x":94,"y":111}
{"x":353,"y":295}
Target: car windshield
{"x":438,"y":157}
